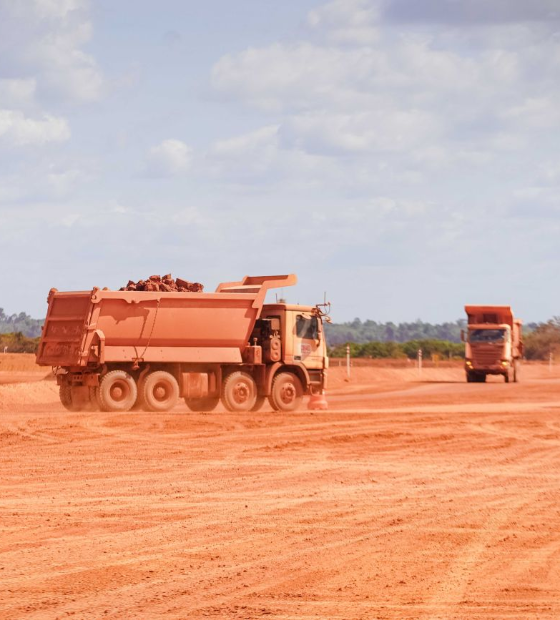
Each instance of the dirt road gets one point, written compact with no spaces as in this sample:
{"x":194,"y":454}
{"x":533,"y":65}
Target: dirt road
{"x":428,"y":499}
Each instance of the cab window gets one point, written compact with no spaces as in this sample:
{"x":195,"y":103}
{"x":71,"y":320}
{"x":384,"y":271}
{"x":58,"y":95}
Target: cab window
{"x":307,"y":327}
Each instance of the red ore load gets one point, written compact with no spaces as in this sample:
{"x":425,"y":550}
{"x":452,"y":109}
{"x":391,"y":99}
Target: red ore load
{"x":164,"y":284}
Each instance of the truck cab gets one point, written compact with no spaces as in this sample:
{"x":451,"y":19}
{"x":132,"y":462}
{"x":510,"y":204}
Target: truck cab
{"x":293,"y":336}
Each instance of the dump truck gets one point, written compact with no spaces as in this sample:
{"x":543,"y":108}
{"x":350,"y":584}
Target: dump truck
{"x":119,"y":350}
{"x":493,"y":343}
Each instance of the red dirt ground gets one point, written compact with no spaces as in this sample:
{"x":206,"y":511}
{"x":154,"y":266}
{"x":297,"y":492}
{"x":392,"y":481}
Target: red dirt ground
{"x":412,"y":497}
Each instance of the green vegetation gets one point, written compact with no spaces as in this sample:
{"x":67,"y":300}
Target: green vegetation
{"x":18,"y":343}
{"x":543,"y":340}
{"x":21,"y":322}
{"x":443,"y":349}
{"x":372,"y":331}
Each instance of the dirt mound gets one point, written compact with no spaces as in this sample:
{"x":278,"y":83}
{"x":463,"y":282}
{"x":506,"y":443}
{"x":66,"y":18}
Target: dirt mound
{"x":18,"y":396}
{"x":24,"y":362}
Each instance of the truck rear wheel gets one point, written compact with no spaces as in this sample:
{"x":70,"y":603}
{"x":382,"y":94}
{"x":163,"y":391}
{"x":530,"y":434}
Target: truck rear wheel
{"x":239,"y":392}
{"x":208,"y":403}
{"x":161,"y":391}
{"x":117,"y":391}
{"x":77,"y":398}
{"x":286,"y":393}
{"x":65,"y":394}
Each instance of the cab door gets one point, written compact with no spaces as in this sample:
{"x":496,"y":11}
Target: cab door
{"x":308,"y":340}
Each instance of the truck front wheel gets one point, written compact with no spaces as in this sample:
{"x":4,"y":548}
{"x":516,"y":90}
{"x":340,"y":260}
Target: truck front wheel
{"x":117,"y":391}
{"x":239,"y":392}
{"x":286,"y":393}
{"x":161,"y":391}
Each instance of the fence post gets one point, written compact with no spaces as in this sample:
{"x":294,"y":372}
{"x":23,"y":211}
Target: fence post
{"x":348,"y":360}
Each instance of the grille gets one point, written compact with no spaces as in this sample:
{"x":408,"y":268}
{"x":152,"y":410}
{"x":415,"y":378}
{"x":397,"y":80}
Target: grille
{"x":486,"y":355}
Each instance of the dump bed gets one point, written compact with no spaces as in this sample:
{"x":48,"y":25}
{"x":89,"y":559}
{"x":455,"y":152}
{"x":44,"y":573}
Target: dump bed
{"x":99,"y":326}
{"x":499,"y":315}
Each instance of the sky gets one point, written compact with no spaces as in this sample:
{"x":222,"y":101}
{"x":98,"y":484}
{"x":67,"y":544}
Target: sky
{"x":403,"y":157}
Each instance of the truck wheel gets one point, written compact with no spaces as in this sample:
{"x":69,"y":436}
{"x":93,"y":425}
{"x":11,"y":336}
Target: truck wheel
{"x":78,"y":399}
{"x":286,"y":393}
{"x":65,"y":393}
{"x":239,"y":392}
{"x":258,"y":403}
{"x":209,"y":403}
{"x":470,"y":377}
{"x":161,"y":391}
{"x":506,"y":377}
{"x":117,"y":391}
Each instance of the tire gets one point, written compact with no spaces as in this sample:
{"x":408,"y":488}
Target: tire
{"x":258,"y":403}
{"x":208,"y":403}
{"x":286,"y":393}
{"x":65,"y":393}
{"x":75,"y":399}
{"x":506,"y":377}
{"x":160,"y":391}
{"x":117,"y":391}
{"x":239,"y":392}
{"x":470,"y":377}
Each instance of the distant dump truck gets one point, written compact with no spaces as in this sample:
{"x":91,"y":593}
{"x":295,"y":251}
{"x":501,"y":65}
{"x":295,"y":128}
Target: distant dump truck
{"x":493,"y":343}
{"x":116,"y":350}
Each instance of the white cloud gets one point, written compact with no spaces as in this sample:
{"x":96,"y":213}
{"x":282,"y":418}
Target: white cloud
{"x":347,"y":21}
{"x":251,"y":142}
{"x":534,"y":112}
{"x":17,"y":92}
{"x":437,"y":98}
{"x":381,"y":129}
{"x":43,"y":40}
{"x":169,"y":158}
{"x":18,"y":130}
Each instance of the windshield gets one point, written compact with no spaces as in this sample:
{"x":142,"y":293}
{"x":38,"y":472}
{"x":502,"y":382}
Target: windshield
{"x":487,"y":335}
{"x":307,"y":327}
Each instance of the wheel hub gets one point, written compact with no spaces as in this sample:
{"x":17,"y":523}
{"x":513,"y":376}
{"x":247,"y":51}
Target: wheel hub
{"x":241,"y":393}
{"x":118,"y":393}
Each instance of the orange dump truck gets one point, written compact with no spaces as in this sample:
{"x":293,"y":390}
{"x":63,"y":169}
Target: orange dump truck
{"x":493,"y":343}
{"x":122,"y":349}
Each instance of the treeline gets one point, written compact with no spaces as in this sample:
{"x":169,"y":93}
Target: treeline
{"x":371,"y":331}
{"x":442,"y":349}
{"x":18,"y":343}
{"x":20,"y":323}
{"x":544,"y":340}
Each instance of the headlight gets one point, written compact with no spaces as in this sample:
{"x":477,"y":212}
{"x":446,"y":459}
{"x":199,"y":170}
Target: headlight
{"x":468,"y":363}
{"x":505,"y":363}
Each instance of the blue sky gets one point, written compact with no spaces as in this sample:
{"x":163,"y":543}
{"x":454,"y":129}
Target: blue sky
{"x":403,"y":156}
